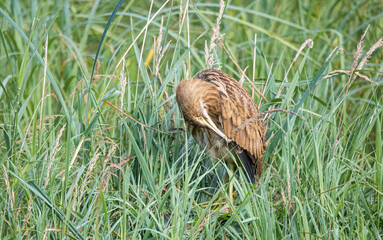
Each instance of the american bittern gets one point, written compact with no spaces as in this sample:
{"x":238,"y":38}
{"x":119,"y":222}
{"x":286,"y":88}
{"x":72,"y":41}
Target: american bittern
{"x":222,"y":115}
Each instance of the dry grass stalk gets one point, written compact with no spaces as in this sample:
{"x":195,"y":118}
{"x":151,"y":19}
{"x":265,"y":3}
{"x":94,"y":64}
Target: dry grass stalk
{"x":144,"y":40}
{"x":288,"y":188}
{"x":254,"y":60}
{"x":45,"y":233}
{"x":329,"y":232}
{"x":54,"y":151}
{"x":239,"y":68}
{"x":106,"y":173}
{"x":329,"y":190}
{"x":143,"y":135}
{"x":9,"y":191}
{"x":216,"y":36}
{"x":97,"y":68}
{"x":139,"y":34}
{"x":308,"y":43}
{"x":242,"y":79}
{"x":122,"y":162}
{"x":357,"y":74}
{"x":188,"y":39}
{"x":75,"y":197}
{"x":359,"y":50}
{"x":76,"y":89}
{"x":336,"y":51}
{"x":28,"y":214}
{"x":298,"y":169}
{"x":284,"y":197}
{"x":123,"y":84}
{"x":127,"y":115}
{"x":260,"y":115}
{"x":88,"y":173}
{"x":160,"y":52}
{"x":181,"y":20}
{"x":45,"y":76}
{"x":254,"y":55}
{"x":372,"y":117}
{"x":185,"y":15}
{"x":374,"y":47}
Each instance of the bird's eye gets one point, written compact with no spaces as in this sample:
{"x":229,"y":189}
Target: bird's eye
{"x":201,"y":121}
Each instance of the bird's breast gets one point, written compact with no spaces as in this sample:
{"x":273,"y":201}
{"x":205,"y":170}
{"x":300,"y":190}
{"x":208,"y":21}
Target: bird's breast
{"x":216,"y":146}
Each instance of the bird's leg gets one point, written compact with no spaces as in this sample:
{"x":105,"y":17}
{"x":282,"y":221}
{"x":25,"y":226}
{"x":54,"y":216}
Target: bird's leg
{"x":231,"y":166}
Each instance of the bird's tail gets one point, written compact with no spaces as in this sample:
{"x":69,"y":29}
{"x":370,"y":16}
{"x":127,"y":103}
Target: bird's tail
{"x":248,"y":164}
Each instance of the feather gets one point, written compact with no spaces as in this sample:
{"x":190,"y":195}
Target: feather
{"x":248,"y":165}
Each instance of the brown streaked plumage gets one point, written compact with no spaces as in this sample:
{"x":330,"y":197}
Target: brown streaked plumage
{"x":221,"y":114}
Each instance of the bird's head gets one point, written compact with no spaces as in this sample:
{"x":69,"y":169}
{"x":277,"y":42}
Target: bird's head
{"x":199,"y":102}
{"x":191,"y":98}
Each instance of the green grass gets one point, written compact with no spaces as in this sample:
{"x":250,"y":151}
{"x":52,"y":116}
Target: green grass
{"x":75,"y":168}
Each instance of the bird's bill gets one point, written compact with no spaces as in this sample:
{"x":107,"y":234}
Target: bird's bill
{"x":209,"y":123}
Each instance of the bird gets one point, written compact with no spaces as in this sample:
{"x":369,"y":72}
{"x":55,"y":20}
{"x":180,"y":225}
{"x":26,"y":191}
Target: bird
{"x":223,"y":117}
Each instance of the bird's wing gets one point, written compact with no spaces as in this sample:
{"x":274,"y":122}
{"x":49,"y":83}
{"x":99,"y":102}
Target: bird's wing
{"x":241,"y":120}
{"x":248,"y":164}
{"x":240,"y":117}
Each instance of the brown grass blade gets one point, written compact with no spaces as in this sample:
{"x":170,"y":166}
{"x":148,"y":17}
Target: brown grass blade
{"x":127,"y":115}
